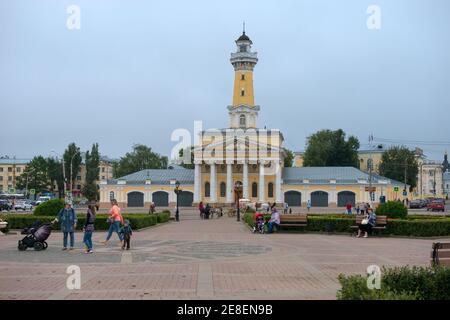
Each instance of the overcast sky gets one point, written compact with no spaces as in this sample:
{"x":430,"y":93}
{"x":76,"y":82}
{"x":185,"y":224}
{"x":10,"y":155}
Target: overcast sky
{"x":137,"y":70}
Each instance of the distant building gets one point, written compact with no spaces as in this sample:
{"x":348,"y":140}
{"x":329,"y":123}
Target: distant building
{"x":446,"y":179}
{"x":10,"y":170}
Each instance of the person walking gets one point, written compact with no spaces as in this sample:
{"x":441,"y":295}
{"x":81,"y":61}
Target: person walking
{"x":286,"y":207}
{"x":152,"y":208}
{"x":115,"y":219}
{"x":201,"y":208}
{"x":308,"y":205}
{"x":89,"y":228}
{"x":357,"y":208}
{"x":68,"y":220}
{"x":348,"y":206}
{"x":126,"y":233}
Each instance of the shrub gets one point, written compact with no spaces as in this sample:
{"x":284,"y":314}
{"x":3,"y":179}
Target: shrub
{"x":355,"y":288}
{"x":422,"y":283}
{"x":163,"y":216}
{"x":392,"y":209}
{"x":138,"y":221}
{"x":426,"y":227}
{"x":49,"y":208}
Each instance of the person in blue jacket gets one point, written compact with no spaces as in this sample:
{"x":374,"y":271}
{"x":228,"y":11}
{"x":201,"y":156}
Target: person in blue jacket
{"x":67,"y":217}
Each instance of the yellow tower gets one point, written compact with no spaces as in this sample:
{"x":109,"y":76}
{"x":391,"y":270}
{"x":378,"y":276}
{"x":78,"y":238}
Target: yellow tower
{"x":243,"y":111}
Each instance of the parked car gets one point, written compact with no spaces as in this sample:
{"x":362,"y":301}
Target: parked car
{"x":5,"y":205}
{"x":23,"y":205}
{"x":423,"y":203}
{"x":42,"y":199}
{"x":416,"y":204}
{"x":436,"y":205}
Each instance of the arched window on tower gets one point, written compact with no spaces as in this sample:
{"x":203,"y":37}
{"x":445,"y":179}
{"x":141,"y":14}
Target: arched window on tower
{"x":242,"y":121}
{"x":254,"y":190}
{"x":207,"y":190}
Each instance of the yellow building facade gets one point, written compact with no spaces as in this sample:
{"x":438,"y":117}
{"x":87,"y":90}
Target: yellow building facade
{"x":252,"y":157}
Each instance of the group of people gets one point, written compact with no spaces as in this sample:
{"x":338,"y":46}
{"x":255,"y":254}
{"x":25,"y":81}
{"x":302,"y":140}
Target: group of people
{"x":67,"y":218}
{"x":273,"y":221}
{"x":207,"y":211}
{"x":370,"y":218}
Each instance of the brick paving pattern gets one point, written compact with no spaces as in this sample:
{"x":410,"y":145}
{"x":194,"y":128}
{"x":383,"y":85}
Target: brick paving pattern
{"x":201,"y":259}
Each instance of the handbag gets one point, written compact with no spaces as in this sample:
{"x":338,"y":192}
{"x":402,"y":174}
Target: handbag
{"x":365,"y":221}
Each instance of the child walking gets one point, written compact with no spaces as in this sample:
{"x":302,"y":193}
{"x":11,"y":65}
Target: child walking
{"x":126,"y":233}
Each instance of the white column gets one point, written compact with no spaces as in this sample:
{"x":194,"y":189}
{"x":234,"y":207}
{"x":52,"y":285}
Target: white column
{"x":278,"y":191}
{"x":245,"y":182}
{"x":261,"y":182}
{"x":197,"y":183}
{"x":229,"y":183}
{"x":213,"y":197}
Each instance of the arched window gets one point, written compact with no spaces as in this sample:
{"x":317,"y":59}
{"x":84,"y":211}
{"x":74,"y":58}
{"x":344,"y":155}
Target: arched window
{"x":270,"y":190}
{"x":223,"y":189}
{"x":111,"y":195}
{"x":242,"y":122}
{"x":207,"y":190}
{"x":254,"y":190}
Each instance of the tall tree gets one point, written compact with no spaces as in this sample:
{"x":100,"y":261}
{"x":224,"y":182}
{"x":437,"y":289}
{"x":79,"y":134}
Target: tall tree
{"x":181,"y":156}
{"x":72,"y":160}
{"x":289,"y":158}
{"x":35,"y":175}
{"x":142,"y":157}
{"x":328,"y":148}
{"x":55,"y":175}
{"x":90,"y":190}
{"x":399,"y":162}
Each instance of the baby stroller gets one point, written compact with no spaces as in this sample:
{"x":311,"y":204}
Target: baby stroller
{"x":35,"y":236}
{"x":259,"y":224}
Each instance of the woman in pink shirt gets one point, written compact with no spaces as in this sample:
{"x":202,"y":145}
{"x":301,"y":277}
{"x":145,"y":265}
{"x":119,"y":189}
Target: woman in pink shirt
{"x":115,"y":219}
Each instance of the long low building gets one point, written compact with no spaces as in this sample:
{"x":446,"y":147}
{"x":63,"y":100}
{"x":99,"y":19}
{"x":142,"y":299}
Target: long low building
{"x":323,"y":186}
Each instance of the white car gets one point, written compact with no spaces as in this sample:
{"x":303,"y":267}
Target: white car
{"x":42,"y":199}
{"x":25,"y":206}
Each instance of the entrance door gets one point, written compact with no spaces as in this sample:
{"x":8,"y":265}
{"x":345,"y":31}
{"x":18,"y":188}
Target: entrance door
{"x":135,"y":199}
{"x":345,"y":197}
{"x":160,"y":198}
{"x":319,"y":199}
{"x":293,"y":198}
{"x":185,"y":199}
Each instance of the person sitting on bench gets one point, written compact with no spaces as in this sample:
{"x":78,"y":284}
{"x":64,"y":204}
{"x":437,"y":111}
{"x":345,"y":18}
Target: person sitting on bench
{"x":367,"y":224}
{"x":274,"y":219}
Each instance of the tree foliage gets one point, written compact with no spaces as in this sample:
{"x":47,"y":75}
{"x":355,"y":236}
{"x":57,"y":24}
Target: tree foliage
{"x":289,"y":158}
{"x":72,"y":160}
{"x":394,"y":162}
{"x":90,"y":190}
{"x":142,"y":157}
{"x":328,"y":148}
{"x":35,"y":176}
{"x":187,"y":164}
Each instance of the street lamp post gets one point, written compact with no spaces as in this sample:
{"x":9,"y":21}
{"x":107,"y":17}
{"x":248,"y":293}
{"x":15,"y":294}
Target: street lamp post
{"x":177,"y":192}
{"x":237,"y":190}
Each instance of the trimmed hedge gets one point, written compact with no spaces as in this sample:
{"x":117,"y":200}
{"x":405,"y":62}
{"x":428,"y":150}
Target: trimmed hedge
{"x":49,"y":208}
{"x":163,"y":216}
{"x":138,"y":221}
{"x":392,"y":209}
{"x":412,"y":283}
{"x":417,"y":227}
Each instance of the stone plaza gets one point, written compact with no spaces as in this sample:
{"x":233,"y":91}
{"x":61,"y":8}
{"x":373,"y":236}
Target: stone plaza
{"x":201,"y":259}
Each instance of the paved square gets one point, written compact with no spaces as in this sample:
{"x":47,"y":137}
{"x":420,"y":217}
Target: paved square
{"x":201,"y":259}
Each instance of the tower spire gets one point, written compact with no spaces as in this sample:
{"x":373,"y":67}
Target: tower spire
{"x":243,"y":27}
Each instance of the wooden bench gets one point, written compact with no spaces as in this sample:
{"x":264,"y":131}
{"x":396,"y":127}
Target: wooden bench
{"x":440,"y":255}
{"x":380,"y":224}
{"x":293,"y":220}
